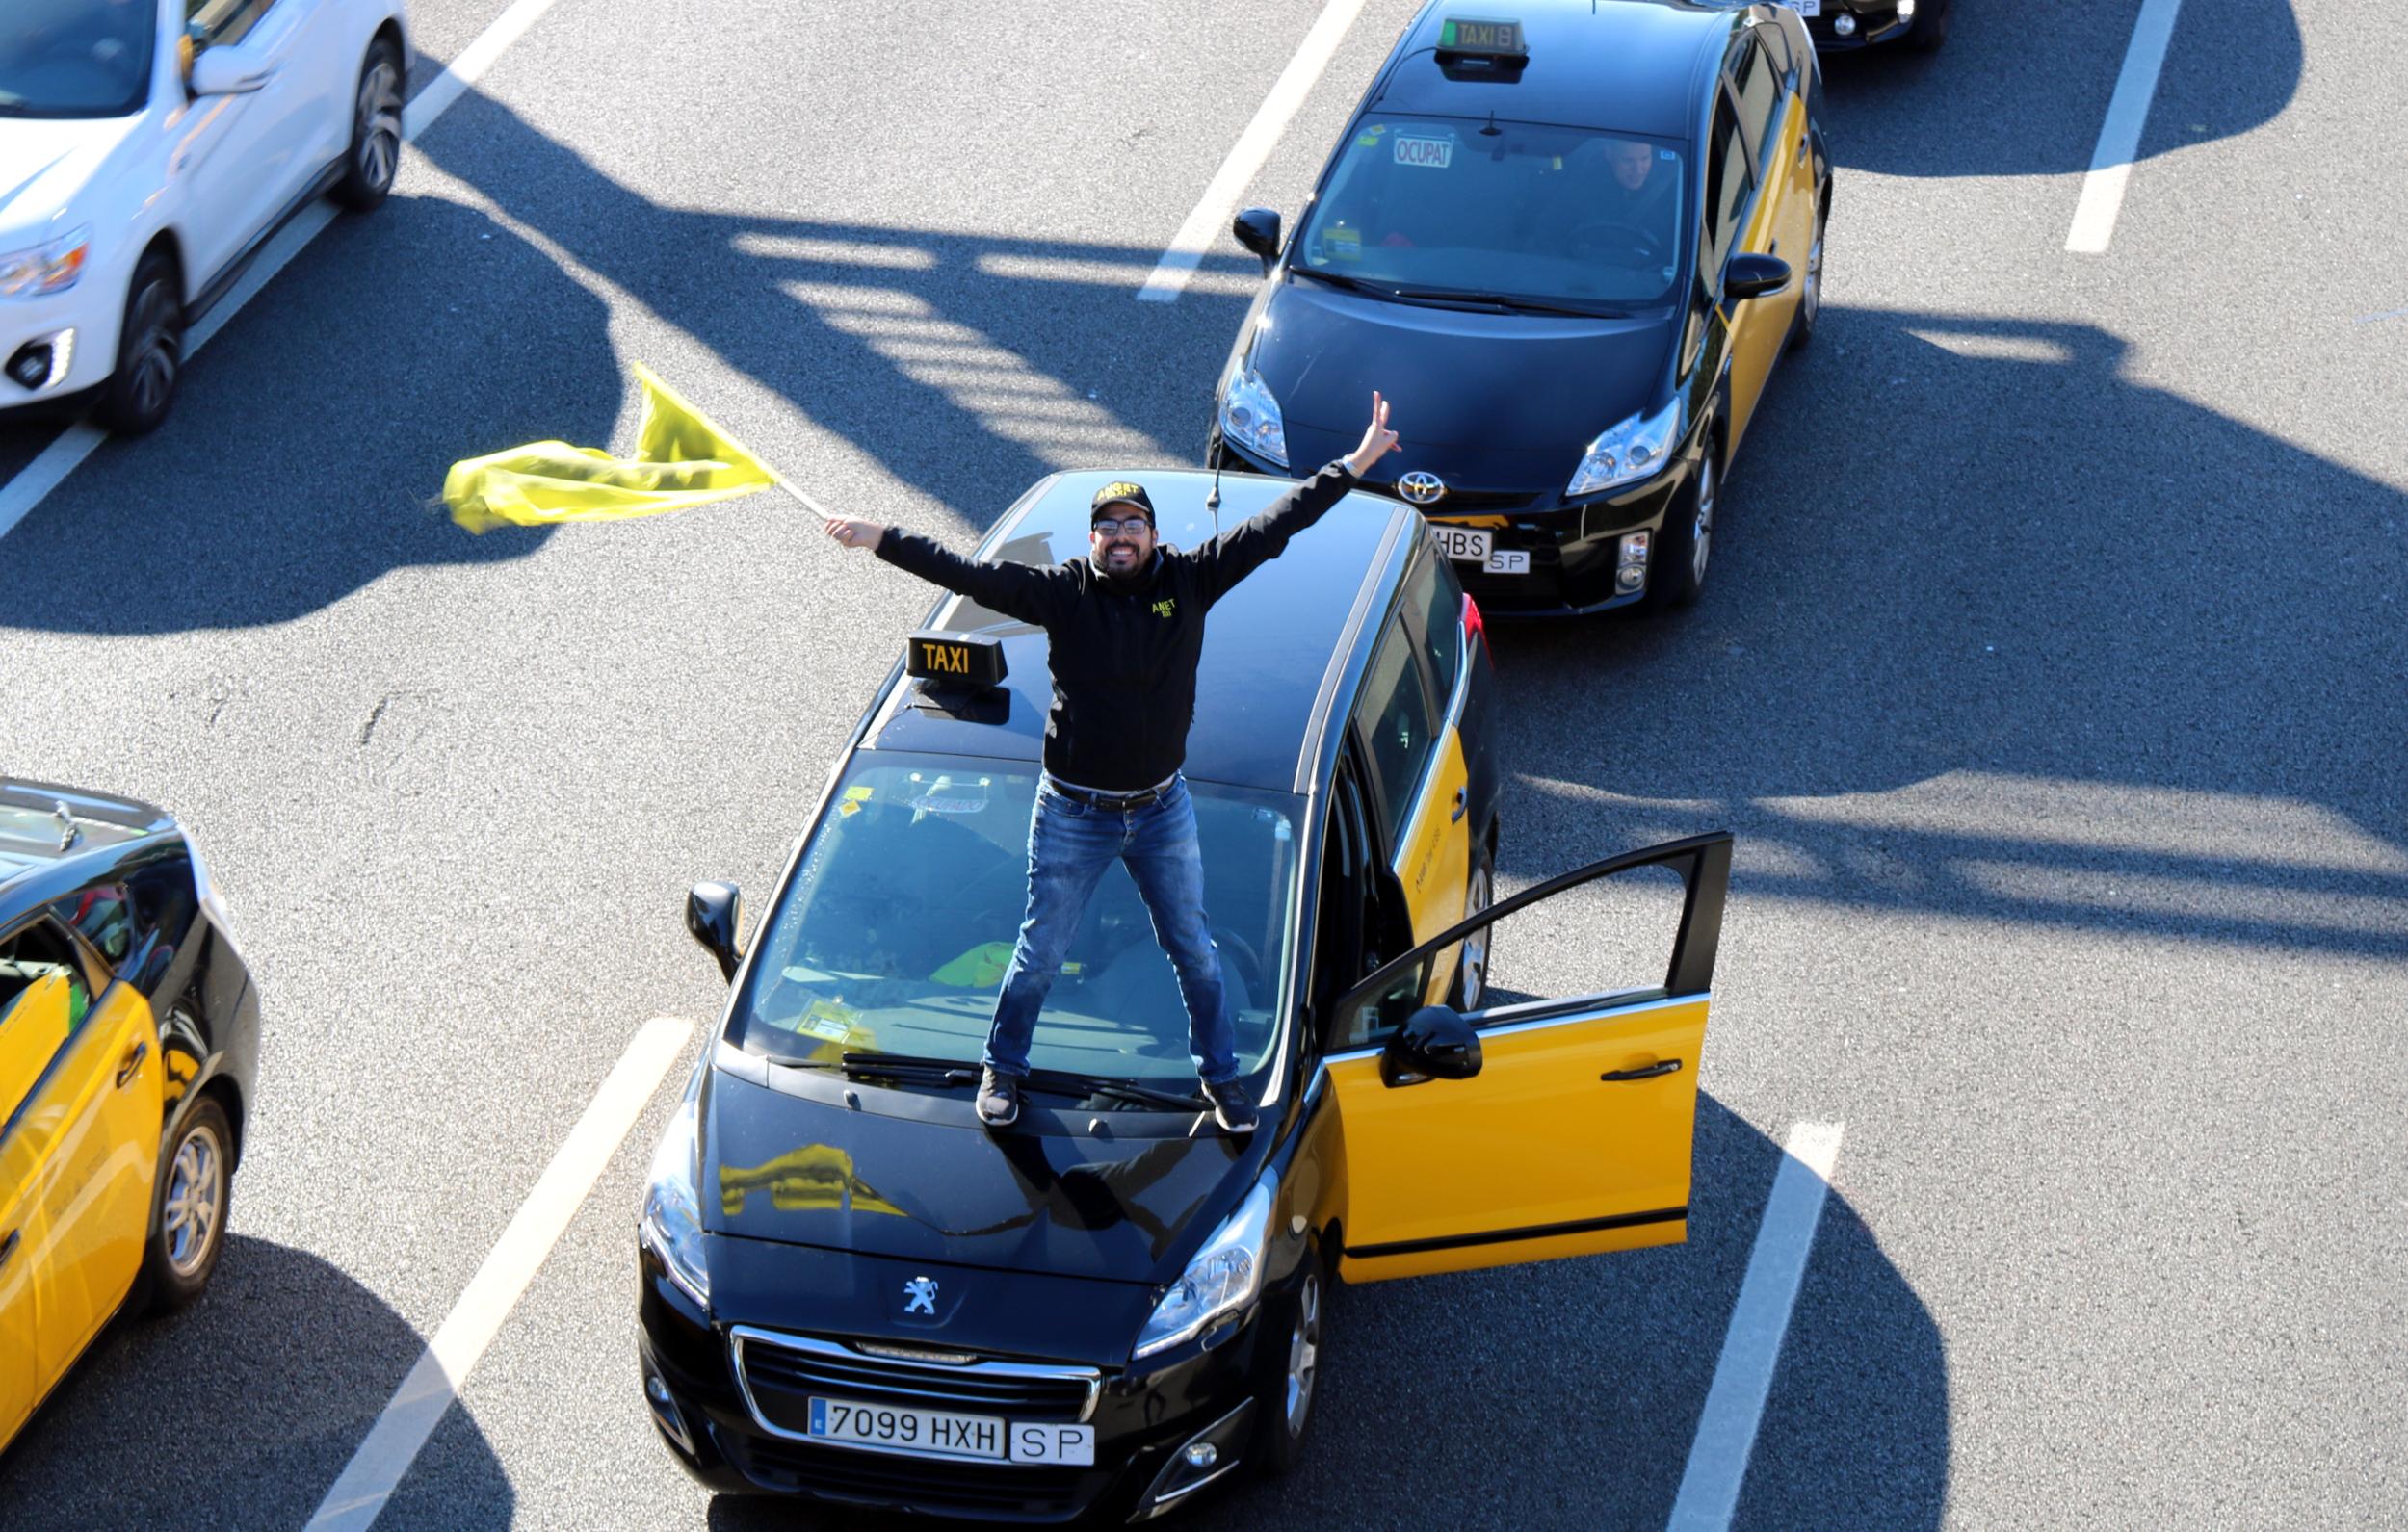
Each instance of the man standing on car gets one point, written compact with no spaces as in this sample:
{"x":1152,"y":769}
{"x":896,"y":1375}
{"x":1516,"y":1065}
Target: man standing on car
{"x":1125,"y":629}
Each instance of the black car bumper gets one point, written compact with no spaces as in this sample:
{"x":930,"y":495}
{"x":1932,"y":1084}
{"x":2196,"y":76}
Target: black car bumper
{"x":1575,"y":547}
{"x":739,"y":1427}
{"x":1877,"y":22}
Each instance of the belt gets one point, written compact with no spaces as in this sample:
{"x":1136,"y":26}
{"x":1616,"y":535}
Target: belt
{"x":1113,"y":802}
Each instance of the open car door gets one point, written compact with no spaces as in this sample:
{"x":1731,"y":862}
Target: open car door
{"x":1526,"y":1131}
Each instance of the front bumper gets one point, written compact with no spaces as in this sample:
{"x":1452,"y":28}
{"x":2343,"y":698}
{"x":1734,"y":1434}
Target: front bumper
{"x":1574,"y":546}
{"x":79,"y":329}
{"x":737,"y":1434}
{"x":1877,"y":22}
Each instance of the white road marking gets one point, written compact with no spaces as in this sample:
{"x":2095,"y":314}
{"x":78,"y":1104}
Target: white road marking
{"x":1735,"y":1405}
{"x":1212,"y":214}
{"x":420,"y":1403}
{"x":49,"y":469}
{"x":2119,"y":136}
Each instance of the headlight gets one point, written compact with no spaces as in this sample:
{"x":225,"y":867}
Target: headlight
{"x":50,"y":268}
{"x":672,"y":1219}
{"x":1634,"y":450}
{"x":1225,"y":1277}
{"x":1250,"y":418}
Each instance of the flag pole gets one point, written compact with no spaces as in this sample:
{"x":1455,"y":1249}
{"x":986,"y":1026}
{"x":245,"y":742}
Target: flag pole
{"x":808,"y":503}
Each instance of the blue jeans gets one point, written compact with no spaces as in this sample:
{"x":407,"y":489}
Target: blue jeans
{"x":1070,"y":845}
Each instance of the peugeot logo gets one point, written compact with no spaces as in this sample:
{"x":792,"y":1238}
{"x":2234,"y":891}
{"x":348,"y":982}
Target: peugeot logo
{"x":1423,"y":488}
{"x":919,"y":1296}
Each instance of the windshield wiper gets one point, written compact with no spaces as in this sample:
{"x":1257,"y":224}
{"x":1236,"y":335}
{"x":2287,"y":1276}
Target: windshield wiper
{"x":1523,"y":305}
{"x":1355,"y":284}
{"x":900,"y":1066}
{"x":1070,"y":1082}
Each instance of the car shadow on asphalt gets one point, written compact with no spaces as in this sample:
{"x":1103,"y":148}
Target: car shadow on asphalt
{"x":2077,"y":667}
{"x":1566,"y":1394}
{"x":238,"y":1412}
{"x":2022,"y":88}
{"x":307,"y":445}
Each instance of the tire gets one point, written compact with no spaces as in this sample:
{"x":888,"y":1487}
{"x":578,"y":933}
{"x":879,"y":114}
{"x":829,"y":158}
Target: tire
{"x":1810,"y":295}
{"x":189,"y":1211}
{"x":151,"y":349}
{"x":1470,"y":972}
{"x":1930,"y":29}
{"x":375,"y":155}
{"x":1284,"y":1406}
{"x":1687,"y":543}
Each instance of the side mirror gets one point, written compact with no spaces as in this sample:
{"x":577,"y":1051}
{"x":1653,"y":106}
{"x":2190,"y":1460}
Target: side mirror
{"x":713,"y":913}
{"x":1754,"y":276}
{"x":1435,"y":1043}
{"x":1257,"y":228}
{"x":230,"y":69}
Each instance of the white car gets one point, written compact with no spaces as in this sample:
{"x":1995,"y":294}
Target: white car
{"x":148,"y":149}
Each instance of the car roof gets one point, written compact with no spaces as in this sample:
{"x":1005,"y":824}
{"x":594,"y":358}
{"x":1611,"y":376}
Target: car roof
{"x":1628,"y":64}
{"x":1276,"y":648}
{"x":42,"y":825}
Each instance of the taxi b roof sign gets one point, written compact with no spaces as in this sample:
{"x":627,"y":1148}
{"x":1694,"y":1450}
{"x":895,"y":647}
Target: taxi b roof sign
{"x":967,"y":660}
{"x":1483,"y":38}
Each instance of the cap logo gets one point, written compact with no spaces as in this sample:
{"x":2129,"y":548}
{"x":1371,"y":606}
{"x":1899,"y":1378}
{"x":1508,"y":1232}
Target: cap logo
{"x":1121,"y":490}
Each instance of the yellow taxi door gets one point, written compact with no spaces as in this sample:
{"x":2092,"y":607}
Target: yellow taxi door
{"x":1569,"y":1133}
{"x":85,"y":1148}
{"x":1415,"y":751}
{"x":1773,"y":126}
{"x":34,"y":1024}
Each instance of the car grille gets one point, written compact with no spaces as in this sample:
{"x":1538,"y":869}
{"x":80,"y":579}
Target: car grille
{"x":1001,"y":1489}
{"x":782,"y":1372}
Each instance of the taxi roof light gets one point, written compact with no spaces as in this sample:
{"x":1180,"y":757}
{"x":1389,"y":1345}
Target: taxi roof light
{"x":970,"y":661}
{"x":1483,"y":38}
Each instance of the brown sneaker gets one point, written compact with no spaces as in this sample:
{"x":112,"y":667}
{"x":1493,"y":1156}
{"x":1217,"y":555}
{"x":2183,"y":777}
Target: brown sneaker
{"x":999,"y":1098}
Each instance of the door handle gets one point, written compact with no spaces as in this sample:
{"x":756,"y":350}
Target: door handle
{"x":1460,"y":804}
{"x":133,"y":1063}
{"x":1670,"y":1066}
{"x":7,"y":1248}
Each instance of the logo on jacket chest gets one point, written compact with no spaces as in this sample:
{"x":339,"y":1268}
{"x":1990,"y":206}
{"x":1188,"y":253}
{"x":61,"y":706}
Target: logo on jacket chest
{"x":1164,"y":606}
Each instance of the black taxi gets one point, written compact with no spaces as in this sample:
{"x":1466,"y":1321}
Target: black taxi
{"x":851,"y":1289}
{"x":1840,"y":25}
{"x":1571,"y":241}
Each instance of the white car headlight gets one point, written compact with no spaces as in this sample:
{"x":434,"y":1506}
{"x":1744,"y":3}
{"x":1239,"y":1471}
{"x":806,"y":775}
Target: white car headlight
{"x":1636,"y":448}
{"x":1225,"y":1277}
{"x":1249,"y":417}
{"x":672,"y":1217}
{"x":47,"y":268}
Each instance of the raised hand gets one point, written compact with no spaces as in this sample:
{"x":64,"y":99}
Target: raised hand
{"x":856,"y":534}
{"x":1377,"y":439}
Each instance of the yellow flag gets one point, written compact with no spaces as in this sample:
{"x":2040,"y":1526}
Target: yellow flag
{"x":681,"y":459}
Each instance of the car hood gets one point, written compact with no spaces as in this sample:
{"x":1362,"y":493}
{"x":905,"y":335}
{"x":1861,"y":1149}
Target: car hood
{"x":43,"y":163}
{"x":777,"y":1165}
{"x":1459,"y":378}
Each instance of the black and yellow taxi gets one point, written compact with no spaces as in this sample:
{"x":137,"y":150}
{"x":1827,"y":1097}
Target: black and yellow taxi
{"x":129,"y":1040}
{"x":1571,"y":239}
{"x":851,"y":1289}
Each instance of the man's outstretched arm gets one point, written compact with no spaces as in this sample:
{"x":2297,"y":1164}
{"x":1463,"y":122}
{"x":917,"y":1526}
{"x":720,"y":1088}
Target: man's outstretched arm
{"x":1016,"y":590}
{"x":1260,"y":538}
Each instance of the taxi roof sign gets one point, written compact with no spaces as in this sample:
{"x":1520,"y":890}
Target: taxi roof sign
{"x":1481,"y":38}
{"x":967,"y":660}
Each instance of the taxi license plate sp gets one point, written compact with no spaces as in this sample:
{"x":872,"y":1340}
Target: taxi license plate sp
{"x":942,"y":1434}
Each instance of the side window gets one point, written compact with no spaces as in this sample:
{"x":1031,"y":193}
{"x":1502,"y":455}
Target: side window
{"x":1759,"y":92}
{"x":1436,"y":597}
{"x":44,"y":1000}
{"x":165,"y":902}
{"x":1395,"y":717}
{"x":1727,"y":185}
{"x":103,"y":915}
{"x":211,"y":22}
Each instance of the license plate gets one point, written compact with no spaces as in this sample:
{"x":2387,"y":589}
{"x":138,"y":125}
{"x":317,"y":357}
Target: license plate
{"x":940,"y":1433}
{"x":1804,"y":7}
{"x":1463,"y":544}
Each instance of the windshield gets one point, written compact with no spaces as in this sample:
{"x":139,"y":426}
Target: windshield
{"x":1566,"y":216}
{"x":75,"y":58}
{"x":895,"y":932}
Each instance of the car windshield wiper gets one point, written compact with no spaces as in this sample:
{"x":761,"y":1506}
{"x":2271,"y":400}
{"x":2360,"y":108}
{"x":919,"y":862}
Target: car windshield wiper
{"x":1522,"y":305}
{"x":1352,"y":284}
{"x":900,"y":1066}
{"x":1070,"y":1082}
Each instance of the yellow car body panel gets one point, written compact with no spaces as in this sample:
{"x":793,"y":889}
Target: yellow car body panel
{"x":1435,"y":866}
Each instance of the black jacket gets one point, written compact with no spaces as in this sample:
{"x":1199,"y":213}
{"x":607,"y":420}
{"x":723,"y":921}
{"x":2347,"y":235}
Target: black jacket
{"x":1124,"y":662}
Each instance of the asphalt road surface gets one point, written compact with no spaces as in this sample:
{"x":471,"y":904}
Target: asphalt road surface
{"x":2051,"y":673}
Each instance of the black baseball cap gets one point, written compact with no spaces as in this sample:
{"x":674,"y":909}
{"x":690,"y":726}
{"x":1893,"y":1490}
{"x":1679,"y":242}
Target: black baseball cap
{"x":1121,"y":492}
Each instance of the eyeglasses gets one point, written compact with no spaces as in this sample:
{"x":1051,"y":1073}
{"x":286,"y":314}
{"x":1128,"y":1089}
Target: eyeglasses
{"x":1126,"y":524}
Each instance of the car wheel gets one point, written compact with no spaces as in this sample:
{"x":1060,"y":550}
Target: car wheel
{"x":1930,"y":29}
{"x":1686,"y":544}
{"x":1285,"y":1405}
{"x":1810,"y":295}
{"x":375,"y":153}
{"x":188,"y":1228}
{"x":151,"y":349}
{"x":1470,"y":969}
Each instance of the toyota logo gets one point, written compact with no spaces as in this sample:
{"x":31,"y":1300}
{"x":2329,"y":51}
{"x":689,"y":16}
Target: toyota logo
{"x":1423,"y":489}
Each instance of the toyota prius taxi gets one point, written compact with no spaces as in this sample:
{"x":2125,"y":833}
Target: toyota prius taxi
{"x":852,"y":1290}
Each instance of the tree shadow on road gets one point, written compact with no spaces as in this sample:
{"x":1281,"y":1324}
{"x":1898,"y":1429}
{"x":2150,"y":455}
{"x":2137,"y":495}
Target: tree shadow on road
{"x":239,"y":1412}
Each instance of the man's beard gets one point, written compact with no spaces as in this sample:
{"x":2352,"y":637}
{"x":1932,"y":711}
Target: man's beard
{"x":1133,"y":575}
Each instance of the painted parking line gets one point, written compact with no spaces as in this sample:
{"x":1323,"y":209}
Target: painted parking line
{"x":1213,"y":211}
{"x":392,"y":1445}
{"x":2119,"y":136}
{"x":51,"y":466}
{"x":1735,"y":1405}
